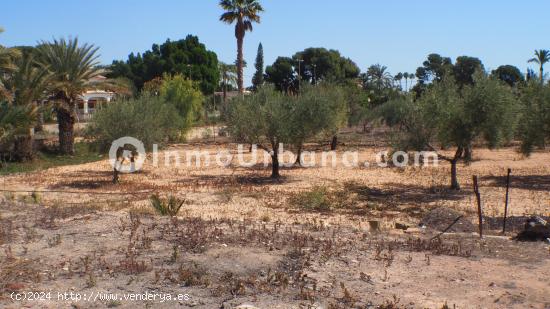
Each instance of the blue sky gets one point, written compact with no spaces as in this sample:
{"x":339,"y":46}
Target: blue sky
{"x":398,"y":34}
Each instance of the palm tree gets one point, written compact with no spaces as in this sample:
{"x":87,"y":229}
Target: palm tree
{"x":411,"y":78}
{"x":542,"y":56}
{"x":28,"y":84}
{"x":378,"y":77}
{"x":7,"y":57}
{"x":398,"y":78}
{"x":243,"y":13}
{"x":228,"y":73}
{"x":72,"y":67}
{"x":406,"y":76}
{"x":14,"y":120}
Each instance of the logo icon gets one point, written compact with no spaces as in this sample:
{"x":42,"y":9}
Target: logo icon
{"x":127,"y":155}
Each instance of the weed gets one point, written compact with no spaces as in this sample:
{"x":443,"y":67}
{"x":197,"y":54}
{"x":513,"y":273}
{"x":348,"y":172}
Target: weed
{"x":17,"y":271}
{"x":192,"y":276}
{"x":6,"y":231}
{"x":392,"y":304}
{"x":169,"y":207}
{"x":54,"y":241}
{"x":36,"y":197}
{"x":175,"y":254}
{"x":114,"y":303}
{"x":91,"y":280}
{"x":317,"y":199}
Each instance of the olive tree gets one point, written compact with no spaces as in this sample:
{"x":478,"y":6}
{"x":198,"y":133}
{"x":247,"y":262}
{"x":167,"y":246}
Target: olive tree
{"x":449,"y":116}
{"x":269,"y":118}
{"x":317,"y":109}
{"x":534,"y":128}
{"x":150,"y":119}
{"x":262,"y":118}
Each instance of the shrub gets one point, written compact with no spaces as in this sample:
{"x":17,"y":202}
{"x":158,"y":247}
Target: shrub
{"x":169,"y":207}
{"x":147,"y":118}
{"x":317,"y":199}
{"x":185,"y":96}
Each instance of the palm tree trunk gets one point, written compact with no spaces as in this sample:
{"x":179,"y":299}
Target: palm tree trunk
{"x":541,"y":74}
{"x":23,"y":147}
{"x":66,"y":120}
{"x":240,"y":73}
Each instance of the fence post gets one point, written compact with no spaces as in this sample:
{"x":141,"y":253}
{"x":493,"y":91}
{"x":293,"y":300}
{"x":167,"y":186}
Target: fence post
{"x":479,"y":210}
{"x":506,"y":201}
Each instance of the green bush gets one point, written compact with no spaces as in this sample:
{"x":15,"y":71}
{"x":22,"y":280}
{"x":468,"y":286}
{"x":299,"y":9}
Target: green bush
{"x":317,"y":199}
{"x":148,"y":118}
{"x":168,"y":207}
{"x":185,"y":96}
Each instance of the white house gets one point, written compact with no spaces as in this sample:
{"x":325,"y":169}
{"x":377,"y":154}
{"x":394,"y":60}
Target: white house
{"x":92,"y":99}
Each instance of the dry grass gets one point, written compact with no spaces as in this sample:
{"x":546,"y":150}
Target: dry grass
{"x":305,"y":239}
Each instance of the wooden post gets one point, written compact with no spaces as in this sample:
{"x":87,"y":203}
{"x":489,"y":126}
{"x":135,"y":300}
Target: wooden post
{"x":506,"y":201}
{"x":479,"y":210}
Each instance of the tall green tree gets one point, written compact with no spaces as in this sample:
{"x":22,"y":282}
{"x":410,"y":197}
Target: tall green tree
{"x":321,"y":64}
{"x":243,"y":13}
{"x":508,"y":74}
{"x":542,"y":57}
{"x":464,"y":69}
{"x":188,"y":57}
{"x":258,"y":79}
{"x":433,"y":68}
{"x":281,"y":74}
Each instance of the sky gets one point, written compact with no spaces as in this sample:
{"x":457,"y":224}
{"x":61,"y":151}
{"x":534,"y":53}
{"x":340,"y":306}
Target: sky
{"x":397,"y":34}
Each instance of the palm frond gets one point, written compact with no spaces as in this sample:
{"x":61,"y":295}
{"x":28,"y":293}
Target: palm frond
{"x":72,"y":65}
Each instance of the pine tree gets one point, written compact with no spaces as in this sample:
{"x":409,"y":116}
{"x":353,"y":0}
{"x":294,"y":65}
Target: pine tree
{"x":258,"y":78}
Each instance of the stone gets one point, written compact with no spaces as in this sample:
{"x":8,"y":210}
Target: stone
{"x":401,"y":226}
{"x":535,"y":229}
{"x":246,"y":306}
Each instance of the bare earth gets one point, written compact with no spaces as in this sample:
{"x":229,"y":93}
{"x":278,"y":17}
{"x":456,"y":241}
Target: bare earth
{"x":240,"y":240}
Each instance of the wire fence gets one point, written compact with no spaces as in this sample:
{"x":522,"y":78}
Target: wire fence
{"x":77,"y":192}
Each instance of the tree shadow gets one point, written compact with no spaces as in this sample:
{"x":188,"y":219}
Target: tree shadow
{"x":224,"y":181}
{"x":527,"y":182}
{"x":513,"y":223}
{"x":401,"y":194}
{"x":91,"y":180}
{"x":83,"y":184}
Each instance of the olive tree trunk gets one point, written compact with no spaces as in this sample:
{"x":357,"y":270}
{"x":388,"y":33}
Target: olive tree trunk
{"x":334,"y":143}
{"x":298,"y":155}
{"x":454,"y":177}
{"x":275,"y":161}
